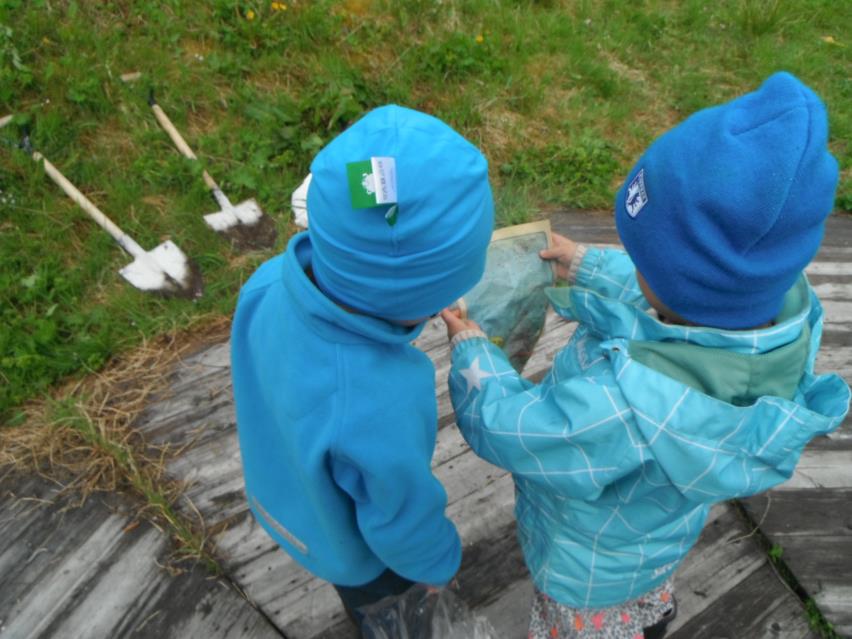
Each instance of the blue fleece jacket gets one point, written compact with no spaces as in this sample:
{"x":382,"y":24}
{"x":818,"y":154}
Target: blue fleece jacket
{"x":337,"y":420}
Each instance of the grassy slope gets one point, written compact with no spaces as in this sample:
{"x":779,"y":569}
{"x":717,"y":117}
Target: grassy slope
{"x":561,"y":96}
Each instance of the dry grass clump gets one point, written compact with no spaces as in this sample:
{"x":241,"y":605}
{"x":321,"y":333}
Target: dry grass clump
{"x":83,"y":436}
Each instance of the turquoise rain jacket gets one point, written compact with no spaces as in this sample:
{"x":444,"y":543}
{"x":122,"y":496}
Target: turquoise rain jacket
{"x":639,"y":428}
{"x":337,"y":420}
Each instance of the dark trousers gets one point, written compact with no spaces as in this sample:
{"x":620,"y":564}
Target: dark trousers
{"x":355,"y":597}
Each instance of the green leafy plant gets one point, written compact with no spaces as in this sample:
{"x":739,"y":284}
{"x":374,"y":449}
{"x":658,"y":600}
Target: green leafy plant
{"x":13,"y":72}
{"x":459,"y":55}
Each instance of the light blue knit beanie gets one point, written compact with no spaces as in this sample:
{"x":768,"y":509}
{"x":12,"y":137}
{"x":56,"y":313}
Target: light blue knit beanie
{"x":420,"y":240}
{"x":722,"y":212}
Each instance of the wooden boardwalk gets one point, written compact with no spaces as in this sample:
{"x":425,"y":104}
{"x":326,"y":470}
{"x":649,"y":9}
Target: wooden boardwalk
{"x":726,"y":587}
{"x":96,"y":571}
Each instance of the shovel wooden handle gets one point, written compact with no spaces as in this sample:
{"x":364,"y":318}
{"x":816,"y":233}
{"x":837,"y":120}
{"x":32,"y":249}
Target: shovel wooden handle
{"x":126,"y":242}
{"x":180,"y":143}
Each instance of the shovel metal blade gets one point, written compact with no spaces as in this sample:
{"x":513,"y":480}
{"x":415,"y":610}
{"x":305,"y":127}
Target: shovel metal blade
{"x":164,"y":268}
{"x":299,"y":203}
{"x":247,"y":213}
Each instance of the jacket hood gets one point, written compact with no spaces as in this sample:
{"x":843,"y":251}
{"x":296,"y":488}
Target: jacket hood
{"x":742,"y":403}
{"x":325,"y":316}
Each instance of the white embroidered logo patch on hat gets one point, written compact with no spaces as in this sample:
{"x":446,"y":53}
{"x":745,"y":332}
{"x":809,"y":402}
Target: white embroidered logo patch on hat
{"x":636,"y":197}
{"x":372,"y":182}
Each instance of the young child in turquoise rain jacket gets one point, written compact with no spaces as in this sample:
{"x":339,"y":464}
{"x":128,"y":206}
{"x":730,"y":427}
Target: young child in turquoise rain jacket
{"x":647,"y":419}
{"x":336,"y":411}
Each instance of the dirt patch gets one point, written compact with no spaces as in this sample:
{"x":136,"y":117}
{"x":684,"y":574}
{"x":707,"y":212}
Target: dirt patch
{"x":110,"y":139}
{"x":505,"y":131}
{"x":624,"y":71}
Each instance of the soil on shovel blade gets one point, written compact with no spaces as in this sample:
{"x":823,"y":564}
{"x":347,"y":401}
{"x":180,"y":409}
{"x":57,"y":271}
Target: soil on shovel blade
{"x":191,"y":288}
{"x":260,"y":235}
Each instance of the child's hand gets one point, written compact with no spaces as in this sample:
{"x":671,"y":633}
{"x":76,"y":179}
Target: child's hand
{"x":563,"y":252}
{"x":456,"y":324}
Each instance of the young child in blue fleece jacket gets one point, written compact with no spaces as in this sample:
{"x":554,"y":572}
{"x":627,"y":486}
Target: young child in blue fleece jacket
{"x":647,"y":420}
{"x":336,"y":411}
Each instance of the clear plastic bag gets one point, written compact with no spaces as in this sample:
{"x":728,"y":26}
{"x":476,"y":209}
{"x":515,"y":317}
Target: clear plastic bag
{"x":424,"y":613}
{"x":509,"y":302}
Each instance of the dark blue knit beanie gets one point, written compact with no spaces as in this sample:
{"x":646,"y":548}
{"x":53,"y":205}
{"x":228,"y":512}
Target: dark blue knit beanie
{"x":424,"y":248}
{"x":723,"y":212}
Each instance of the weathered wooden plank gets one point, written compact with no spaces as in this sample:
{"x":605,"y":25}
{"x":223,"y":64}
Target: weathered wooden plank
{"x":752,"y":608}
{"x":592,"y":227}
{"x":836,"y":604}
{"x":819,"y":267}
{"x":509,"y":614}
{"x":814,"y":530}
{"x":823,"y":513}
{"x":833,"y":291}
{"x":835,"y":356}
{"x":821,"y":469}
{"x":723,"y":557}
{"x":838,"y":316}
{"x":66,"y":573}
{"x":599,"y":227}
{"x":191,"y":409}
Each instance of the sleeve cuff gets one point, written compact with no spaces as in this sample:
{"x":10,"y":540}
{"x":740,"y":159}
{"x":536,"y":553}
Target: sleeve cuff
{"x":579,"y":254}
{"x":461,"y":336}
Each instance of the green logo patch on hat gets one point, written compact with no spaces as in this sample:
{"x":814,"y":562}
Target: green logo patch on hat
{"x":372,"y":182}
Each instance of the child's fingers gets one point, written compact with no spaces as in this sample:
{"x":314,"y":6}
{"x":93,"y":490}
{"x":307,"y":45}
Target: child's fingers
{"x":452,"y":319}
{"x":560,"y":239}
{"x":562,"y":248}
{"x":470,"y":324}
{"x":553,"y":253}
{"x":455,"y":324}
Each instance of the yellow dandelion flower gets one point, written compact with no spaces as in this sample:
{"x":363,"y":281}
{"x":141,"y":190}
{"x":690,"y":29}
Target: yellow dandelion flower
{"x":249,"y":15}
{"x":278,"y":6}
{"x":479,"y":38}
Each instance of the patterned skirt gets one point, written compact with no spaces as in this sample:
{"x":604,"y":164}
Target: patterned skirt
{"x":551,"y":620}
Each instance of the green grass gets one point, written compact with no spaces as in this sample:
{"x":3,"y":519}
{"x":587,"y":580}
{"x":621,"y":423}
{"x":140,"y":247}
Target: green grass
{"x":561,"y":96}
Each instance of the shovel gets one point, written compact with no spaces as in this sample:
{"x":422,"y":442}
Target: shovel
{"x":245,"y":224}
{"x":164,"y":269}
